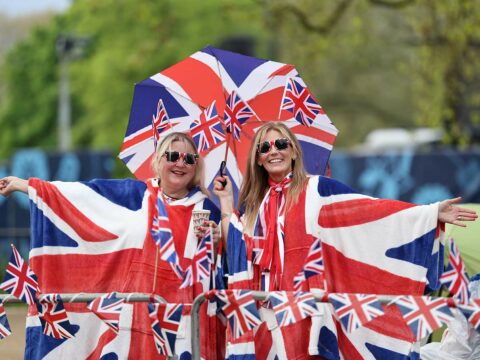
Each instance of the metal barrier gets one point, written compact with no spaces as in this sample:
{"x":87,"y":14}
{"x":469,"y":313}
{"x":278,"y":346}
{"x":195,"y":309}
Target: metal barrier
{"x":259,"y":295}
{"x":86,"y":297}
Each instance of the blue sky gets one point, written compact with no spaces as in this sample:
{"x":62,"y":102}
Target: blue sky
{"x":24,"y":7}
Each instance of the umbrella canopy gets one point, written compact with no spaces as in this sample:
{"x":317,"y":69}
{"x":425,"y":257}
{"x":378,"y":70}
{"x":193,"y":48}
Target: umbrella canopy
{"x":221,"y":98}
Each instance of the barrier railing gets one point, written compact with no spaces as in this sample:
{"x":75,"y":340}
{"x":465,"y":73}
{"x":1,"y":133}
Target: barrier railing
{"x":86,"y":297}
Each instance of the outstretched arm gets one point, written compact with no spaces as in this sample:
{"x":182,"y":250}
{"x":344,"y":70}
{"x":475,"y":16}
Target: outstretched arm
{"x":10,"y":184}
{"x":455,"y":215}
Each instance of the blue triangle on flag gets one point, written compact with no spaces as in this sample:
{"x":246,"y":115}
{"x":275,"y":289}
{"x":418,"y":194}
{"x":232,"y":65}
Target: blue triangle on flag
{"x":39,"y":345}
{"x":236,"y":65}
{"x":416,"y":251}
{"x":52,"y":236}
{"x":383,"y":353}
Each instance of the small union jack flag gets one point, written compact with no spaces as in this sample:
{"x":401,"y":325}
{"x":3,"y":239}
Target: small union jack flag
{"x":423,"y":314}
{"x":207,"y":132}
{"x":20,"y":280}
{"x":291,"y":307}
{"x":237,"y":112}
{"x":201,"y":265}
{"x":53,"y":317}
{"x":355,"y":310}
{"x":160,"y":122}
{"x":471,"y":311}
{"x":240,"y":309}
{"x":455,"y":277}
{"x":108,"y":308}
{"x":313,"y":266}
{"x":166,"y":320}
{"x":162,"y":234}
{"x":4,"y":325}
{"x":299,"y":100}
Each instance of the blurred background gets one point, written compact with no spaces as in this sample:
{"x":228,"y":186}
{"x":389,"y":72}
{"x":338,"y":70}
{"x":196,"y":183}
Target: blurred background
{"x":400,"y":79}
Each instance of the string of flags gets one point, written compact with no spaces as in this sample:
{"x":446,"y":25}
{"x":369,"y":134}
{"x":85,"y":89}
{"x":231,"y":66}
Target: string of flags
{"x":423,"y":314}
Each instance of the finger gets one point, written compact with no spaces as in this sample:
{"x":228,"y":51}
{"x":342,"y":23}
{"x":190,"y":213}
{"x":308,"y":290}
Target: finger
{"x":454,"y":200}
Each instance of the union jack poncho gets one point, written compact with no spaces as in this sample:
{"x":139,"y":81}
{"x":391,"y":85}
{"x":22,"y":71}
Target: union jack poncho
{"x":94,"y":237}
{"x":369,"y":246}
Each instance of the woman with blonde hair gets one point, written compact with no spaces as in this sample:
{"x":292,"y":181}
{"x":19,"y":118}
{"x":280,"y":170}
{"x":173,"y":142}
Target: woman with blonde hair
{"x":368,"y":245}
{"x":110,"y":223}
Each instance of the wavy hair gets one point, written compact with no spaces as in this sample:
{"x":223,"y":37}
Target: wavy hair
{"x":255,"y":182}
{"x":166,"y":144}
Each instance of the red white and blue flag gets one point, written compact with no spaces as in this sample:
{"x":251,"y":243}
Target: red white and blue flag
{"x":313,"y":266}
{"x":424,"y":314}
{"x":166,"y":320}
{"x":240,"y":309}
{"x":290,"y":307}
{"x":471,"y":310}
{"x":299,"y":100}
{"x":237,"y":112}
{"x":108,"y":308}
{"x":4,"y":325}
{"x":455,"y":277}
{"x":207,"y":131}
{"x":201,"y":266}
{"x":355,"y":310}
{"x":19,"y":279}
{"x":53,"y":317}
{"x":160,"y":122}
{"x":162,"y":234}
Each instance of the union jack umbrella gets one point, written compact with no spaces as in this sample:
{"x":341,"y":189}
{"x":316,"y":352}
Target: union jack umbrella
{"x":423,"y":314}
{"x":355,"y":310}
{"x":455,"y":277}
{"x":19,"y":279}
{"x":53,"y":317}
{"x":222,"y":98}
{"x":4,"y":325}
{"x":240,"y":308}
{"x":166,"y":320}
{"x":108,"y":308}
{"x":291,"y":307}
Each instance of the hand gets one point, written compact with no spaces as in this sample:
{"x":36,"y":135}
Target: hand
{"x":455,"y":215}
{"x":10,"y":184}
{"x":222,"y":187}
{"x":216,"y":235}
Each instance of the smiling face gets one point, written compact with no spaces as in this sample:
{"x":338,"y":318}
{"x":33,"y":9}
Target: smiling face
{"x":176,"y":177}
{"x":277,"y":163}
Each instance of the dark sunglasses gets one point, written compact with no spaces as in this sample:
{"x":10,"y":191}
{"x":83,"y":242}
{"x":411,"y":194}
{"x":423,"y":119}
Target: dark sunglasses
{"x":174,"y":156}
{"x":266,"y":146}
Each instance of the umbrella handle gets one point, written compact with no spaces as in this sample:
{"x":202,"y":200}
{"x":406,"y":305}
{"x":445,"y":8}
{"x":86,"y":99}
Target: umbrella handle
{"x":222,"y":173}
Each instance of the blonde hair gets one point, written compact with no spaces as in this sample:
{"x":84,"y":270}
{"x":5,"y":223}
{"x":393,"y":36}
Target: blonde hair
{"x":255,"y":182}
{"x":165,"y":145}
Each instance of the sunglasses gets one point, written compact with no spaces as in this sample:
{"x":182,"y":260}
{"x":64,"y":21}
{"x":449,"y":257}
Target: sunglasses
{"x":174,"y":156}
{"x":266,"y":146}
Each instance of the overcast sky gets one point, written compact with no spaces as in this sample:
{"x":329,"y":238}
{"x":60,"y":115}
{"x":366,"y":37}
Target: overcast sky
{"x":25,"y":7}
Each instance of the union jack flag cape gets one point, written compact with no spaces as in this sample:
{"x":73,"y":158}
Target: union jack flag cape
{"x":368,"y":245}
{"x":95,"y":237}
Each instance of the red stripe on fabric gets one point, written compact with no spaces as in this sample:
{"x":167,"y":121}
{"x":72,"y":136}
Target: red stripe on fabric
{"x":199,"y":81}
{"x":267,"y":104}
{"x":358,"y":211}
{"x":284,"y":70}
{"x":83,"y":273}
{"x":263,"y":342}
{"x":346,"y":348}
{"x":103,"y":341}
{"x":63,"y":208}
{"x":145,"y":171}
{"x":315,"y":133}
{"x":147,"y":134}
{"x":346,"y":275}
